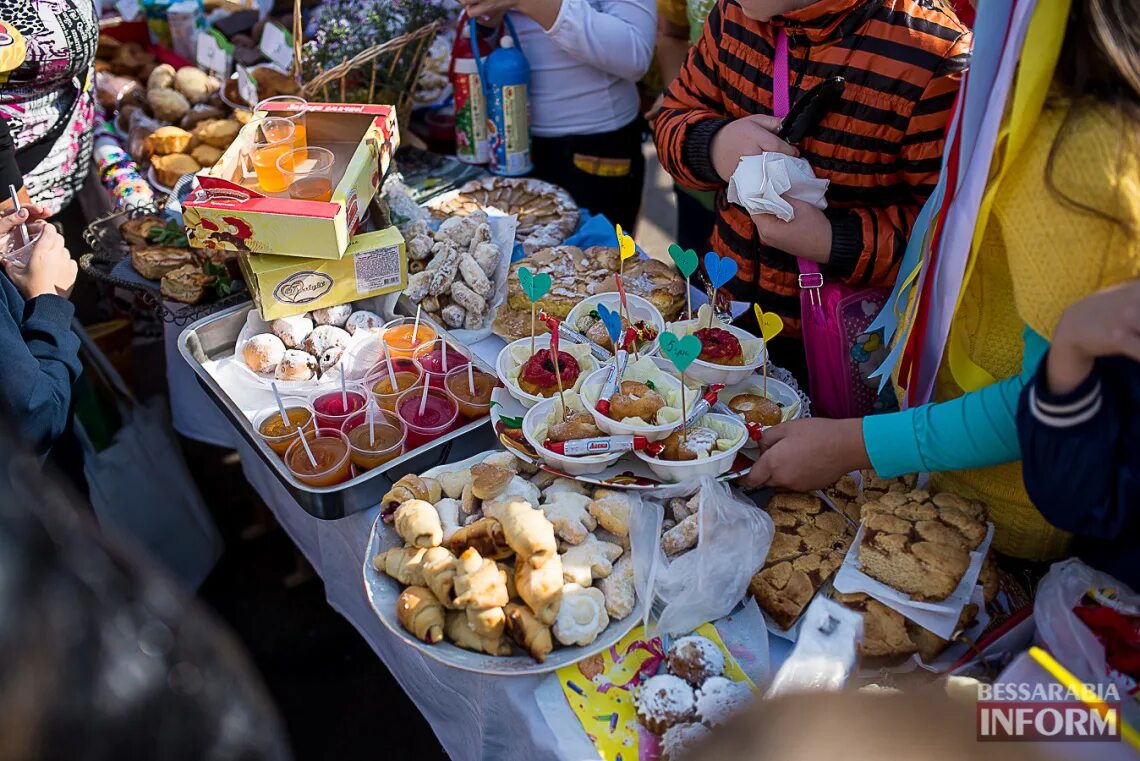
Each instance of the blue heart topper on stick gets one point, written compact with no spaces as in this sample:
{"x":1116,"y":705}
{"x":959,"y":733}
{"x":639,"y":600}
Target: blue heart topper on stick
{"x":720,"y":269}
{"x":612,"y":321}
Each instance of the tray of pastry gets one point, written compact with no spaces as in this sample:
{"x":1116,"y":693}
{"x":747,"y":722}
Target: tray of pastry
{"x":145,"y":251}
{"x":215,"y":337}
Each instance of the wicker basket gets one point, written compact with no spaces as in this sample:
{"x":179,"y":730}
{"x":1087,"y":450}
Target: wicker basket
{"x":384,"y":73}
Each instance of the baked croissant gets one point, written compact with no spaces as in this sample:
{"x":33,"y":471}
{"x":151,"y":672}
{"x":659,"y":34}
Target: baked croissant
{"x":479,"y":583}
{"x":457,"y":630}
{"x":438,"y":566}
{"x":485,"y":535}
{"x":409,"y":487}
{"x":528,"y":632}
{"x":402,"y":564}
{"x":528,"y":532}
{"x":509,"y":579}
{"x":418,"y":524}
{"x":540,"y":588}
{"x":420,"y":613}
{"x":486,"y":622}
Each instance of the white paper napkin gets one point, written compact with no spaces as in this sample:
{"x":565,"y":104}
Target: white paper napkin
{"x":761,"y":183}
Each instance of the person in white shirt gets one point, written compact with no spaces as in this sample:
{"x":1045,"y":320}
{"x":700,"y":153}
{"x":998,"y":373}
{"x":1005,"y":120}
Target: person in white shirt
{"x":586,"y":57}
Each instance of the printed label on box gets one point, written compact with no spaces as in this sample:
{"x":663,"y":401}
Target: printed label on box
{"x":377,"y":269}
{"x":303,"y":287}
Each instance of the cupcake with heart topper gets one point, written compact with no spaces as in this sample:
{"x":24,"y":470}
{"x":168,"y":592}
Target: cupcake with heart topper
{"x":728,"y":354}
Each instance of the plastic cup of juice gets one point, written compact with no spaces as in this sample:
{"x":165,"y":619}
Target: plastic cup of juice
{"x":330,"y":451}
{"x":272,"y":429}
{"x":403,"y":337}
{"x":333,"y":406}
{"x":431,"y":359}
{"x":408,"y":375}
{"x":439,"y":415}
{"x":296,"y":111}
{"x":472,"y":404}
{"x":370,"y":448}
{"x":308,"y":172}
{"x":272,"y":140}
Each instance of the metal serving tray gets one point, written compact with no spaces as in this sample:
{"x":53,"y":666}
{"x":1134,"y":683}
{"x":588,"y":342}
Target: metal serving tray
{"x":215,"y":336}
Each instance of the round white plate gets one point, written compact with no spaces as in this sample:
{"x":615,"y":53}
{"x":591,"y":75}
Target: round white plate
{"x":382,"y":592}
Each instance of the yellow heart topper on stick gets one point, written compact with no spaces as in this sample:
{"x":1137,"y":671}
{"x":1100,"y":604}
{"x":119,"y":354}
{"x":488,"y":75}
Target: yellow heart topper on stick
{"x":770,"y":326}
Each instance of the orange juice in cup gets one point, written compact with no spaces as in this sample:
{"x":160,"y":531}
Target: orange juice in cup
{"x":296,"y":113}
{"x":403,"y":336}
{"x":309,"y":173}
{"x":273,"y":139}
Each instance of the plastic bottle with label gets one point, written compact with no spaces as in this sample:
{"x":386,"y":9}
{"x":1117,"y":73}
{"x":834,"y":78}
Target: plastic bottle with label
{"x":470,"y":102}
{"x":506,"y":78}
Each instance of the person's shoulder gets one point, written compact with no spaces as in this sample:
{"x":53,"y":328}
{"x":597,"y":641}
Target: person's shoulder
{"x":1094,"y":150}
{"x":930,"y":24}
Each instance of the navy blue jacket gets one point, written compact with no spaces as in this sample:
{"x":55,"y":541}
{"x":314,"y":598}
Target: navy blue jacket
{"x":39,"y":362}
{"x":1081,"y":458}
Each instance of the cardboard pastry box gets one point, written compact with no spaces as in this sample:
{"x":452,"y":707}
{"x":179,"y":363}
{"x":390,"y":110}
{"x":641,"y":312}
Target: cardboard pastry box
{"x":375,"y":263}
{"x":229,"y":211}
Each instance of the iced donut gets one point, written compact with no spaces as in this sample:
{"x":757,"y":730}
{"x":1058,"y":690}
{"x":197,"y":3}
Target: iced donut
{"x":324,"y":337}
{"x":690,"y":444}
{"x":329,"y":359}
{"x":292,"y":330}
{"x":262,"y":352}
{"x":363,"y":319}
{"x":337,"y":315}
{"x":756,"y":409}
{"x":296,"y":366}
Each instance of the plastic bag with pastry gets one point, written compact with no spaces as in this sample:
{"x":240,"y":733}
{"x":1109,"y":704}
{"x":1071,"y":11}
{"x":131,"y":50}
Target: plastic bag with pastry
{"x":682,"y":536}
{"x":528,"y":632}
{"x":403,"y":564}
{"x":541,"y":588}
{"x":457,"y":630}
{"x":418,"y":524}
{"x":582,"y":615}
{"x":527,"y":530}
{"x":484,"y":535}
{"x":590,"y":560}
{"x":438,"y":567}
{"x":420,"y":613}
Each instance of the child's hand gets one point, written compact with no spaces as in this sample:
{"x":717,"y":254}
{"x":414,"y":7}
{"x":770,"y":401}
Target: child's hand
{"x":807,"y":235}
{"x":808,"y":454}
{"x":1105,"y":324}
{"x":50,"y":268}
{"x":748,"y":136}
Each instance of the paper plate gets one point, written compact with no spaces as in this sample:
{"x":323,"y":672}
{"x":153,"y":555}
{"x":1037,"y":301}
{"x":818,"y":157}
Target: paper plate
{"x":507,"y":415}
{"x":382,"y":591}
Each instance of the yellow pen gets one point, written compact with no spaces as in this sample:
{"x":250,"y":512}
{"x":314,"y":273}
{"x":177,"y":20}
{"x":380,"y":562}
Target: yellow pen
{"x":1087,"y":696}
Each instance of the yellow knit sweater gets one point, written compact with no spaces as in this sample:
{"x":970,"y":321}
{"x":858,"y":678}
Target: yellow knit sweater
{"x":1038,"y":256}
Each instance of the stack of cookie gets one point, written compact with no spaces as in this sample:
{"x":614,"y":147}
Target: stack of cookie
{"x":808,"y":547}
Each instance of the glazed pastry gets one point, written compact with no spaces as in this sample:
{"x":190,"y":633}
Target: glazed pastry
{"x":683,"y":536}
{"x":420,"y":613}
{"x":529,"y":533}
{"x":540,"y":589}
{"x":454,"y":481}
{"x":418,"y":524}
{"x":590,"y":560}
{"x":618,"y":588}
{"x":528,"y":632}
{"x":664,"y":700}
{"x":689,"y":444}
{"x":292,"y":330}
{"x":485,"y":535}
{"x":719,"y":698}
{"x":567,"y":512}
{"x":336,"y":316}
{"x":538,"y":378}
{"x":636,"y":400}
{"x":438,"y":567}
{"x":363,"y":320}
{"x":448,"y":510}
{"x":457,"y":630}
{"x":324,"y":337}
{"x":612,"y":509}
{"x":410,"y":486}
{"x":581,"y":615}
{"x":720,"y":347}
{"x":404,"y":564}
{"x":756,"y":409}
{"x":262,"y":352}
{"x":695,"y":659}
{"x":296,"y":366}
{"x":489,"y":481}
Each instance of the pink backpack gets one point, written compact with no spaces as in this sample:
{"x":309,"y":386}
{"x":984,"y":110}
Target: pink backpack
{"x":841,"y":354}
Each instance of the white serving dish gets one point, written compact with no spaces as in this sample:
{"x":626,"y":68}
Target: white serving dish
{"x":710,"y":372}
{"x":571,"y":466}
{"x":639,"y":309}
{"x":503,"y":366}
{"x":676,"y":471}
{"x":778,"y":391}
{"x":618,"y":428}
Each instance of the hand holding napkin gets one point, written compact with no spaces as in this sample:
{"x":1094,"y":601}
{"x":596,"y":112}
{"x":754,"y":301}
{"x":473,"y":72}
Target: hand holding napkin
{"x":760,"y":183}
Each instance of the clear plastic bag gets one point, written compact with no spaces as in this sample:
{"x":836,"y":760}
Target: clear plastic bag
{"x":825,"y":652}
{"x":706,"y":582}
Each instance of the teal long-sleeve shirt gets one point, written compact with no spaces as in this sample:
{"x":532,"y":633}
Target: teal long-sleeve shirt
{"x":976,"y":430}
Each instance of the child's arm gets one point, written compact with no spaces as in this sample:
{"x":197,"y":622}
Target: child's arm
{"x":618,"y":38}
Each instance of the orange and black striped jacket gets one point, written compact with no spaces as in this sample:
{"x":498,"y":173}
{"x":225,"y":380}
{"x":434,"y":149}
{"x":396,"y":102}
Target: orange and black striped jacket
{"x":881,"y":148}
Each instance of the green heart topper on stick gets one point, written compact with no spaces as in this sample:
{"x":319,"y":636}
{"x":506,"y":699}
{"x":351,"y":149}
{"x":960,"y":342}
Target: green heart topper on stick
{"x":535,"y":287}
{"x":681,"y":352}
{"x":687,"y":262}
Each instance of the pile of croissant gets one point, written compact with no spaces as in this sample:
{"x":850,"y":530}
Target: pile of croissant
{"x":491,"y":557}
